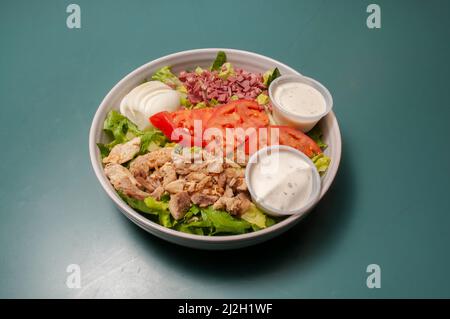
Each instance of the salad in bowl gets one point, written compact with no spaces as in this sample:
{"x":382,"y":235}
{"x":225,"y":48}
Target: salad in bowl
{"x":181,"y":148}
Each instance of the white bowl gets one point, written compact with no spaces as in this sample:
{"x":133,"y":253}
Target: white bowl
{"x":189,"y":59}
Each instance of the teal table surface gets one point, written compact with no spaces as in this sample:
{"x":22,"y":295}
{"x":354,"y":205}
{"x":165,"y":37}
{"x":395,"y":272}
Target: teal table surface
{"x":389,"y":204}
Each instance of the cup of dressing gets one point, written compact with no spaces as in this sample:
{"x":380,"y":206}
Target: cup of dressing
{"x":299,"y":101}
{"x":282,"y":181}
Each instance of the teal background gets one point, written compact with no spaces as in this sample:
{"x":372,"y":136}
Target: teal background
{"x":389,"y":204}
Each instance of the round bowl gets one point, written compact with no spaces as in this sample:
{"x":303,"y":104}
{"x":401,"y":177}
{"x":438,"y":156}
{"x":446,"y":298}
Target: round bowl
{"x":187,"y":59}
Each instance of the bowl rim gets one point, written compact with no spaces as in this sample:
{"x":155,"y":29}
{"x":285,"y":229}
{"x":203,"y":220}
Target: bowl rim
{"x":97,"y":124}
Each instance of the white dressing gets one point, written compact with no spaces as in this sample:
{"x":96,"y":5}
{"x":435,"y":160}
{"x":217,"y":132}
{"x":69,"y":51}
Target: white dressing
{"x":300,"y":99}
{"x":148,"y":99}
{"x":281,"y":180}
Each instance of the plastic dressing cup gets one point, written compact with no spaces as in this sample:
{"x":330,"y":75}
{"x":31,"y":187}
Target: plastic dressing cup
{"x":288,"y":184}
{"x":282,"y":116}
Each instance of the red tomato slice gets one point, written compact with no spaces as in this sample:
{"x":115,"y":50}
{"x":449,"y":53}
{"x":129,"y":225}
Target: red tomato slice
{"x":186,"y":118}
{"x":290,"y":137}
{"x":240,"y":113}
{"x":163,"y":121}
{"x":236,"y":114}
{"x":252,"y":115}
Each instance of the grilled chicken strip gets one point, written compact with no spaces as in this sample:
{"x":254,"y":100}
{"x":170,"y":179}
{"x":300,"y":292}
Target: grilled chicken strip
{"x":142,"y":165}
{"x":179,"y":204}
{"x":123,"y":181}
{"x":122,"y":153}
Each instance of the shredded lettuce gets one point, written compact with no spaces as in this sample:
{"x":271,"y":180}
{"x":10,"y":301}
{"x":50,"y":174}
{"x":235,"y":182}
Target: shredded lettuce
{"x":201,"y":221}
{"x":185,"y":102}
{"x":221,"y":58}
{"x":119,"y":127}
{"x":226,"y":70}
{"x":166,"y":76}
{"x":104,"y":149}
{"x":254,"y":216}
{"x":222,"y":222}
{"x":155,"y":205}
{"x":262,"y":99}
{"x":151,"y":140}
{"x":162,"y":209}
{"x":200,"y":105}
{"x":139,"y":205}
{"x":198,"y":227}
{"x":198,"y":70}
{"x":322,"y":162}
{"x":158,"y":209}
{"x":270,"y":75}
{"x":213,"y":102}
{"x":121,"y":130}
{"x":316,"y":134}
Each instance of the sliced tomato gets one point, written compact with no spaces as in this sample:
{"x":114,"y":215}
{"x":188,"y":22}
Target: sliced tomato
{"x":243,"y":114}
{"x":186,"y":118}
{"x":163,"y":121}
{"x":240,"y":113}
{"x":252,"y":115}
{"x":182,"y":119}
{"x":290,"y":137}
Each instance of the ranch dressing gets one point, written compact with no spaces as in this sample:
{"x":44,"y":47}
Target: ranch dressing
{"x":281,"y":180}
{"x":300,"y":99}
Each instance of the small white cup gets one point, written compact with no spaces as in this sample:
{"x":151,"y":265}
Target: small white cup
{"x":272,"y":211}
{"x":284,"y":117}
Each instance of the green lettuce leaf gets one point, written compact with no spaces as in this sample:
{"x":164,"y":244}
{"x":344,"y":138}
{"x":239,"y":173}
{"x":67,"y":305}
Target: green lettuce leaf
{"x":193,"y":211}
{"x":104,"y":149}
{"x":270,"y":75}
{"x":155,"y":205}
{"x":184,"y":101}
{"x":322,"y":162}
{"x":120,"y":127}
{"x":162,"y":209}
{"x":152,"y":139}
{"x":165,"y":219}
{"x":138,"y":205}
{"x":121,"y":130}
{"x":166,"y":76}
{"x":200,"y":105}
{"x":255,"y":216}
{"x":270,"y":221}
{"x":198,"y":70}
{"x":221,"y":58}
{"x":224,"y":222}
{"x":316,"y":135}
{"x":198,"y":227}
{"x":262,"y":99}
{"x":226,"y":70}
{"x":213,"y":102}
